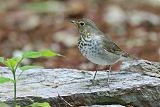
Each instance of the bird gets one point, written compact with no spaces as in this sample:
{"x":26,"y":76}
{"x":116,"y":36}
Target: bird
{"x":98,"y":47}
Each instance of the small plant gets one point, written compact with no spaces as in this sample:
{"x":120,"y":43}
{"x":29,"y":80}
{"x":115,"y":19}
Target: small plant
{"x":45,"y":104}
{"x":14,"y":63}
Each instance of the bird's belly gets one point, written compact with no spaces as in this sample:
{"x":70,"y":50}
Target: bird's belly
{"x":98,"y":55}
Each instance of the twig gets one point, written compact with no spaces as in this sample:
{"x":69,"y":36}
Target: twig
{"x":64,"y":100}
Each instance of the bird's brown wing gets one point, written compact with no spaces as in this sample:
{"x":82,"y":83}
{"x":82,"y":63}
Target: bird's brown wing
{"x":111,"y":47}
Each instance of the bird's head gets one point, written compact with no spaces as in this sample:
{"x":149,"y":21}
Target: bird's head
{"x":85,"y":26}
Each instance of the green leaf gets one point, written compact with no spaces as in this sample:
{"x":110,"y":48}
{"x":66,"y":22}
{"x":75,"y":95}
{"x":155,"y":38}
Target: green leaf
{"x":34,"y":54}
{"x":4,"y":79}
{"x":36,"y":6}
{"x":31,"y":54}
{"x":23,"y":68}
{"x":49,"y":53}
{"x":45,"y":104}
{"x":43,"y":6}
{"x":11,"y":63}
{"x":1,"y":59}
{"x":4,"y":105}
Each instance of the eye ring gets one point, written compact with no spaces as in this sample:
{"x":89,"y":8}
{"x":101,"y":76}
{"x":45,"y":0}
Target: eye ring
{"x":82,"y":23}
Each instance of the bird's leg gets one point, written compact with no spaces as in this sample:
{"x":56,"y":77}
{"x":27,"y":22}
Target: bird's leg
{"x":94,"y":78}
{"x":108,"y":80}
{"x":95,"y":74}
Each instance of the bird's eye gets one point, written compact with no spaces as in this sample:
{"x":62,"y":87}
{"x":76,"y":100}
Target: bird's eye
{"x":82,"y":23}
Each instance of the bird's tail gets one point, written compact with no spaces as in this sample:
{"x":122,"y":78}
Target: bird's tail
{"x":128,"y":57}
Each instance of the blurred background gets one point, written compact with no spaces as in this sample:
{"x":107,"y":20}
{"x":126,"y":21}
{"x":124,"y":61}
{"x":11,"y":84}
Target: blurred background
{"x":44,"y":24}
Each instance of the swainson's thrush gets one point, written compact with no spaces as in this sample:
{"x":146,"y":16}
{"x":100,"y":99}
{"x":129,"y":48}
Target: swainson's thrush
{"x":97,"y":47}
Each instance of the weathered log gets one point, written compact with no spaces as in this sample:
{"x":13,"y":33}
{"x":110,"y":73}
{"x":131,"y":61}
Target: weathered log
{"x":75,"y":87}
{"x":143,"y":67}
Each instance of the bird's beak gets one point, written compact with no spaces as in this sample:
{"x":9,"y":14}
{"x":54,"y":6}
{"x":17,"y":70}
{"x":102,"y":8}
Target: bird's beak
{"x":74,"y":22}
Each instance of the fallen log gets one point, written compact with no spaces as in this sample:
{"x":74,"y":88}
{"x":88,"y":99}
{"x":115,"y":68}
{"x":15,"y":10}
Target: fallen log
{"x":127,"y":88}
